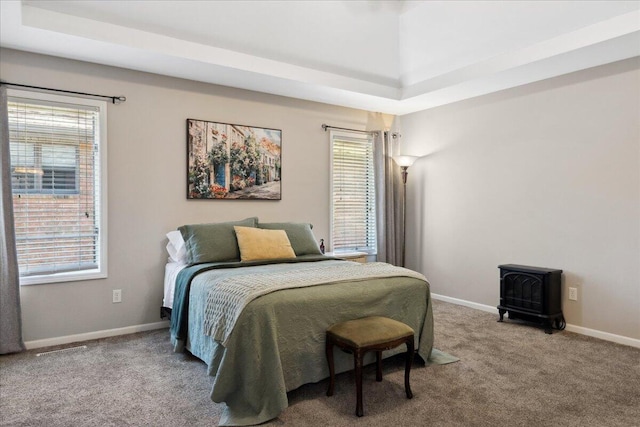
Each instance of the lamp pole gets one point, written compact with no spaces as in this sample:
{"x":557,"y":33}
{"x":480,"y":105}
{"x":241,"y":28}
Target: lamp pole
{"x":404,"y":211}
{"x":404,"y":162}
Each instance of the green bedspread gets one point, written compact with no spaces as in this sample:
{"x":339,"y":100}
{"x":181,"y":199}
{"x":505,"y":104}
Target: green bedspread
{"x":278,"y":343}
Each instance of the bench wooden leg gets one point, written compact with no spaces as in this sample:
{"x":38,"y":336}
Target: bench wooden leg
{"x":329,"y":351}
{"x":339,"y":335}
{"x":407,"y":369}
{"x":357,"y":360}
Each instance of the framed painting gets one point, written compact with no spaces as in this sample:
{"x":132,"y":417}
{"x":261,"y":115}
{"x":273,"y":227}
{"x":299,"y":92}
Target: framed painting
{"x":227,"y":161}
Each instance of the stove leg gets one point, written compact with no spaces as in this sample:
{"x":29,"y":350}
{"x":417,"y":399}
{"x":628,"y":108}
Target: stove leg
{"x":547,"y":327}
{"x":502,"y":312}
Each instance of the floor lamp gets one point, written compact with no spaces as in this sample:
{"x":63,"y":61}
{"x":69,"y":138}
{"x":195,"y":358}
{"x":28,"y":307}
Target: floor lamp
{"x":404,"y":162}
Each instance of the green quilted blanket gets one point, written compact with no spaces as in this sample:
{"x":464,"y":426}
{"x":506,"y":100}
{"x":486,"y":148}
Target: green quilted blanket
{"x":278,"y":342}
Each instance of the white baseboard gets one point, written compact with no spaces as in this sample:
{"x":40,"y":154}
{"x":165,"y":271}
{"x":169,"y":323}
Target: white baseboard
{"x":632,"y":342}
{"x":165,"y":324}
{"x":48,"y":342}
{"x":481,"y":307}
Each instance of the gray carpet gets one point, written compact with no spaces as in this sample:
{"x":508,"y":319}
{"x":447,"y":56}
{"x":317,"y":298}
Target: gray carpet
{"x":508,"y":374}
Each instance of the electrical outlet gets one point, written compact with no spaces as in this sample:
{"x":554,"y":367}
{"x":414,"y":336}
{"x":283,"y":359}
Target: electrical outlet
{"x":573,"y":294}
{"x":117,"y":295}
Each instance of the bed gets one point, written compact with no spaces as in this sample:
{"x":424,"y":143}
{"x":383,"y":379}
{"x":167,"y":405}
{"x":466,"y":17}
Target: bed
{"x":274,"y":342}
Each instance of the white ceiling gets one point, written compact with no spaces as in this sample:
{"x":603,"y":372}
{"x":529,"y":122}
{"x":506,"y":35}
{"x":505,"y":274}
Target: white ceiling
{"x":390,"y":56}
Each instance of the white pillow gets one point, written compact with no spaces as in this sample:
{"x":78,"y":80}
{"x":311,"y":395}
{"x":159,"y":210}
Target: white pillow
{"x":176,"y":247}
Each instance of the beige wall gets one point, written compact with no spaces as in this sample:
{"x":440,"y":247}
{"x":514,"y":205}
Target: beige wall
{"x":147,"y":188}
{"x":548,"y":175}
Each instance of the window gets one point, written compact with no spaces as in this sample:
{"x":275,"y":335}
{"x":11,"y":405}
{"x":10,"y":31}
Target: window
{"x":58,"y":165}
{"x":353,"y":195}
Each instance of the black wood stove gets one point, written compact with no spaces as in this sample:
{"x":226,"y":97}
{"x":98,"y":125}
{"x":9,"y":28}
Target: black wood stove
{"x":531,"y":294}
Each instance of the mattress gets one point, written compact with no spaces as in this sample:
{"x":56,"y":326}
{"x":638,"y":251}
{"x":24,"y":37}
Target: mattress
{"x":171,"y":271}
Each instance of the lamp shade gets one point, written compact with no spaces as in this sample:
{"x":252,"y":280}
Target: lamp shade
{"x":405,"y":161}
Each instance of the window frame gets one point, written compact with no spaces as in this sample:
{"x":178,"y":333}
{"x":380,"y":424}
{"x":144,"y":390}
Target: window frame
{"x":360,"y":137}
{"x":100,"y":184}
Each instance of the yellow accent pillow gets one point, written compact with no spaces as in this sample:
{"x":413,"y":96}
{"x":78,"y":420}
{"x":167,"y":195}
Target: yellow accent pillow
{"x":256,"y":243}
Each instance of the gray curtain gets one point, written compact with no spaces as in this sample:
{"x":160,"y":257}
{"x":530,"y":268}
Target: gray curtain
{"x":389,"y":201}
{"x":10,"y":318}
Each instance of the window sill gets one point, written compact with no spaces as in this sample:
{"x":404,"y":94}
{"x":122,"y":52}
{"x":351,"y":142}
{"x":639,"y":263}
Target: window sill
{"x":350,"y":256}
{"x":71,"y":276}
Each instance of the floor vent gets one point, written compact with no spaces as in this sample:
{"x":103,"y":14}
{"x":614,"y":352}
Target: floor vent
{"x":62,"y":350}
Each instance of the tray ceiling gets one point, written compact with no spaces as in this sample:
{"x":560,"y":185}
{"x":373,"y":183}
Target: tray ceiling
{"x":394,"y":57}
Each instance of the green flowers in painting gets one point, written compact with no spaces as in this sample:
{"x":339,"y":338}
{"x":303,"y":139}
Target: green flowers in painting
{"x":218,"y":155}
{"x":199,"y":177}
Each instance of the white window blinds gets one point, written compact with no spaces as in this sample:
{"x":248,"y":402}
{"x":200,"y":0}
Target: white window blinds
{"x":353,"y":224}
{"x":55,"y":166}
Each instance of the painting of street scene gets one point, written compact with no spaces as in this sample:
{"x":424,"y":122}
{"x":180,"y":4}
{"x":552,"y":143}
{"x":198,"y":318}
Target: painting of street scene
{"x":227,"y":161}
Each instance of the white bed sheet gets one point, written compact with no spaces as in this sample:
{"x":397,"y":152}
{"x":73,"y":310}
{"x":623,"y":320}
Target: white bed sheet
{"x":171,"y":271}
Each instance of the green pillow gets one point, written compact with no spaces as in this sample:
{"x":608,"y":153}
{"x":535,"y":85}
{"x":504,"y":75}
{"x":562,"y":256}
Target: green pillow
{"x":300,"y":235}
{"x":213,"y":242}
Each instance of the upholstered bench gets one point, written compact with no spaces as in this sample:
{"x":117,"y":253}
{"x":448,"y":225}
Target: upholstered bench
{"x":369,"y":334}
